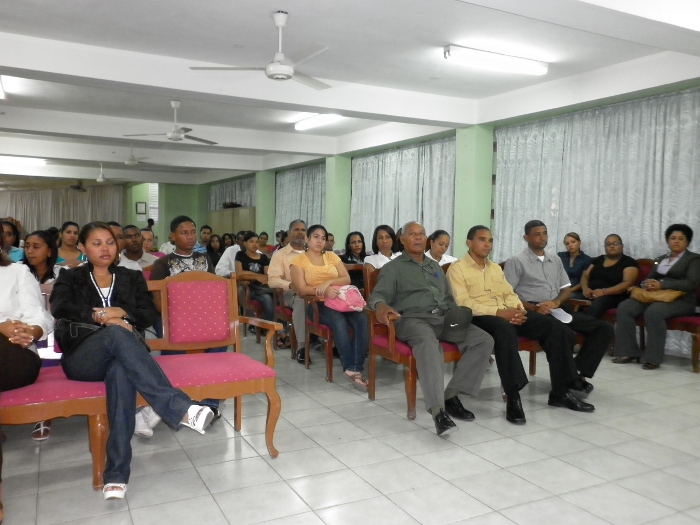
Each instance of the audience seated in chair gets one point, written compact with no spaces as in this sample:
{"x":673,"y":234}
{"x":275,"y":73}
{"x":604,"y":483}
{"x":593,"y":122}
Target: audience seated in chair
{"x":133,"y":248}
{"x":101,"y":309}
{"x":252,"y":266}
{"x":10,"y":241}
{"x":413,"y":290}
{"x":384,"y":247}
{"x":542,"y":285}
{"x":437,"y":246}
{"x":279,"y":276}
{"x":677,"y":270}
{"x":318,"y":273}
{"x":355,"y":253}
{"x":606,"y":281}
{"x":480,"y":285}
{"x":575,"y":262}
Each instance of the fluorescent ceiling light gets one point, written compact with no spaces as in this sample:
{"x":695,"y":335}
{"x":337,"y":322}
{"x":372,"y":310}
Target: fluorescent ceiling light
{"x":681,"y":13}
{"x":318,"y":120}
{"x":2,"y":91}
{"x":489,"y":61}
{"x":6,"y":160}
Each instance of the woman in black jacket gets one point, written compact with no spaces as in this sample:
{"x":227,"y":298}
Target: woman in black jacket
{"x":102,"y":310}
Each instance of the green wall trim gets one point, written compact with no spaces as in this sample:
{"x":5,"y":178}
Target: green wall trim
{"x":338,"y":193}
{"x":265,"y":202}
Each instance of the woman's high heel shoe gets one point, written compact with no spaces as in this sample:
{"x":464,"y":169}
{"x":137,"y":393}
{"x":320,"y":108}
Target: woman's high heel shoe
{"x":623,"y":360}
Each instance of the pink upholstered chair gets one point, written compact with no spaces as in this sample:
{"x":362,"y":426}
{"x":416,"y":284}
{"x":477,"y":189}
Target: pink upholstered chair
{"x":200,"y":311}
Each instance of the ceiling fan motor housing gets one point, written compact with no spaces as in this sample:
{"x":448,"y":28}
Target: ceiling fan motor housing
{"x":277,"y":71}
{"x":174,"y":135}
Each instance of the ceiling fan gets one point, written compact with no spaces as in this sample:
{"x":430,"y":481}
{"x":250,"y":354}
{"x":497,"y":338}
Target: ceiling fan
{"x":176,"y":133}
{"x":132,"y":160}
{"x":281,"y":67}
{"x":78,"y":187}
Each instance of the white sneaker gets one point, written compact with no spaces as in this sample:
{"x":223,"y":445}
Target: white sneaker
{"x":199,"y":417}
{"x":149,"y":415}
{"x":142,"y":429}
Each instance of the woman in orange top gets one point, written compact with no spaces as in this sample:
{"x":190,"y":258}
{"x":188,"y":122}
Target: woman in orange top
{"x":314,"y":273}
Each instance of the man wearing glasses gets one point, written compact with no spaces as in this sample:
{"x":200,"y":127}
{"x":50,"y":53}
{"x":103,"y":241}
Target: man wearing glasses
{"x":413,"y":289}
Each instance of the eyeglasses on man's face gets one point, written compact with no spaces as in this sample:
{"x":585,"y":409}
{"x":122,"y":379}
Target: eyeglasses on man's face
{"x":616,"y":243}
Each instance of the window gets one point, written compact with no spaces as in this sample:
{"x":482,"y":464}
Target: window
{"x":153,"y":202}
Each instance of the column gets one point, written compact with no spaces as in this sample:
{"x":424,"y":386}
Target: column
{"x":265,"y":203}
{"x":338,"y":186}
{"x":473,"y":183}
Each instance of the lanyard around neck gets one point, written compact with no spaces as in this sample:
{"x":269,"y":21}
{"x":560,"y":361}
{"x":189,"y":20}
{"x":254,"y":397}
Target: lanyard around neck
{"x":106,"y":299}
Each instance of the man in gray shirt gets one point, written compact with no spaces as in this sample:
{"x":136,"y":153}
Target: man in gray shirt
{"x":542,"y":284}
{"x":413,"y":289}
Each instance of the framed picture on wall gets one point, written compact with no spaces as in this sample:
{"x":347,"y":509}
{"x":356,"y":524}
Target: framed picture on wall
{"x":140,"y":207}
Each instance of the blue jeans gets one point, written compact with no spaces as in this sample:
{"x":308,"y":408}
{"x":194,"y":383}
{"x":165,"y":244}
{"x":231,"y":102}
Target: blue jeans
{"x":352,"y":350}
{"x":268,"y":305}
{"x":117,"y":357}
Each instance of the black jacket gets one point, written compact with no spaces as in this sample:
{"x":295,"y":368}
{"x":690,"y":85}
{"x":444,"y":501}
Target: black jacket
{"x":74,"y":296}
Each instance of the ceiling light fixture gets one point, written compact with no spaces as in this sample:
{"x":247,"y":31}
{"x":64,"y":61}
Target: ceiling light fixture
{"x":316,"y":121}
{"x":7,"y":160}
{"x":2,"y":91}
{"x":489,"y":61}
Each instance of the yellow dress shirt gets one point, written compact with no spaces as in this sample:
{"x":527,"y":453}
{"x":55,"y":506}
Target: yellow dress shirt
{"x":484,"y":291}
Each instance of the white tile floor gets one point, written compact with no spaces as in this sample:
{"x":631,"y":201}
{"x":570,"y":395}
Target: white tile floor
{"x":346,"y":460}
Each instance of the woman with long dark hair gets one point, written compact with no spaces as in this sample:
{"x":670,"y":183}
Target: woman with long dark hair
{"x":102,"y":311}
{"x":68,"y":253}
{"x":355,"y":253}
{"x":436,"y":247}
{"x":40,"y":256}
{"x":384,"y":246}
{"x":215,"y":249}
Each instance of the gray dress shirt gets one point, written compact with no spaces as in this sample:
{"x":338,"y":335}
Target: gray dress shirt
{"x":534,"y":280}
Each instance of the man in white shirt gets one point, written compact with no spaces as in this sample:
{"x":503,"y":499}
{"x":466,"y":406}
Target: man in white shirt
{"x":167,"y":248}
{"x":279,"y":276}
{"x":133,"y":248}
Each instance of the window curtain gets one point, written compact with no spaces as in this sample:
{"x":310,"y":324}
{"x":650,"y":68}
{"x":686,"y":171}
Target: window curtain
{"x":627,"y":168}
{"x":404,"y":184}
{"x":300,"y":193}
{"x":40,"y":209}
{"x":241,"y":191}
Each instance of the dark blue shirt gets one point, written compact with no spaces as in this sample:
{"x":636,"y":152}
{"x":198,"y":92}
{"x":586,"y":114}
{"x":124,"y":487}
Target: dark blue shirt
{"x":581,"y":264}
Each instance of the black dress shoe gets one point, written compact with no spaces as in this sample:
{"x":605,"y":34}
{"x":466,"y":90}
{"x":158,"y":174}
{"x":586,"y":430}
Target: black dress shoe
{"x":301,"y":356}
{"x":581,"y":386}
{"x":623,"y":360}
{"x":514,"y":411}
{"x":649,"y":366}
{"x":454,"y":407}
{"x":571,"y":402}
{"x":443,"y":424}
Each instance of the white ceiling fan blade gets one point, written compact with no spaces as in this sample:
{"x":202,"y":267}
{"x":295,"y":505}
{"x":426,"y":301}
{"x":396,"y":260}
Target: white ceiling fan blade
{"x":203,"y":141}
{"x":309,"y":81}
{"x":233,"y":68}
{"x":307,"y":54}
{"x":145,"y":135}
{"x":182,"y":130}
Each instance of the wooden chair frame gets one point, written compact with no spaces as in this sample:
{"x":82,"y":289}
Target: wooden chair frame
{"x":281,"y":315}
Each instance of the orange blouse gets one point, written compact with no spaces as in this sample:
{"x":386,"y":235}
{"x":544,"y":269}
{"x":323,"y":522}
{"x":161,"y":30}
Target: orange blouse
{"x":314,"y":274}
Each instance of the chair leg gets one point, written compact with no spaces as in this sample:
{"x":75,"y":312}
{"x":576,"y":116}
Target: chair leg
{"x":274,"y":406}
{"x":533,"y":363}
{"x":328,"y":350}
{"x":99,"y":429}
{"x":307,"y":346}
{"x":237,"y":413}
{"x":696,"y":353}
{"x":371,"y":375}
{"x":293,"y":339}
{"x":410,"y":378}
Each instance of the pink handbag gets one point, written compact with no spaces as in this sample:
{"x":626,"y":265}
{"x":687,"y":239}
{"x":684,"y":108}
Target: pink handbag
{"x":349,"y":299}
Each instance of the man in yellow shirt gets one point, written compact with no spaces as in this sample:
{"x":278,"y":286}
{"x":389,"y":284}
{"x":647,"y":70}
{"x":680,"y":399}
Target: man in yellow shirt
{"x":480,"y":285}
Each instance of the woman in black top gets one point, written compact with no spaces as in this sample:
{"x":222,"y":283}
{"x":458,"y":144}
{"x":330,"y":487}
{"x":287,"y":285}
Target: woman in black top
{"x":252,"y":266}
{"x":355,"y":253}
{"x":101,"y":309}
{"x":608,"y":278}
{"x":215,"y":249}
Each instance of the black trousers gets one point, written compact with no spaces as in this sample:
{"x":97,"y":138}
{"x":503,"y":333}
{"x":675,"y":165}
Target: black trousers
{"x":597,"y":338}
{"x":554,"y":337}
{"x":18,"y":367}
{"x":600,"y":305}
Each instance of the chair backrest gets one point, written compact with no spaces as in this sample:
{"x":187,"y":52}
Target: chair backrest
{"x":371,"y":275}
{"x":645,"y":266}
{"x":199,"y":311}
{"x":446,"y":267}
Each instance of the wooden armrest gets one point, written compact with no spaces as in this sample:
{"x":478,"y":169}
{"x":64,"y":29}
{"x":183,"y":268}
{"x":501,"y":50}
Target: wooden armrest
{"x":272,"y":328}
{"x":578,"y":303}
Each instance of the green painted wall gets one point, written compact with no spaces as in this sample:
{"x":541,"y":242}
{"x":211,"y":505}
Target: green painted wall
{"x":182,"y":199}
{"x":132,"y":195}
{"x":338,"y":186}
{"x":473,"y":183}
{"x":265,"y":203}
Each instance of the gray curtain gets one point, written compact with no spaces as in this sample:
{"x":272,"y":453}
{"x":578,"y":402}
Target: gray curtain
{"x":404,"y":184}
{"x":241,"y":191}
{"x":300,"y":193}
{"x":629,"y":168}
{"x":40,"y":209}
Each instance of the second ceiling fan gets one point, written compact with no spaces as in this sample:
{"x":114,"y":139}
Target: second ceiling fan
{"x":176,"y":133}
{"x":281,"y":67}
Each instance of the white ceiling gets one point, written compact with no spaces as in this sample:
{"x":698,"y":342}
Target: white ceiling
{"x":80,"y":75}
